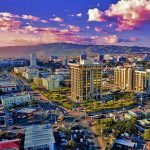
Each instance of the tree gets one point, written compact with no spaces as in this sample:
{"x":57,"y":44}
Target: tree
{"x":147,"y":134}
{"x":71,"y":144}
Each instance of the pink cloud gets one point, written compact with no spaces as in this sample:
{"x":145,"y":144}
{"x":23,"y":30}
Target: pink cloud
{"x":111,"y":39}
{"x":96,"y":15}
{"x":8,"y":24}
{"x":133,"y":39}
{"x":130,"y":14}
{"x":57,"y":19}
{"x":30,"y":17}
{"x":17,"y":33}
{"x":74,"y":28}
{"x":97,"y":29}
{"x":110,"y":25}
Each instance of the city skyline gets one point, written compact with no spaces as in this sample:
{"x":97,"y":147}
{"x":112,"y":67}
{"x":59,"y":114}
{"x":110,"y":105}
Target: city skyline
{"x":93,"y":22}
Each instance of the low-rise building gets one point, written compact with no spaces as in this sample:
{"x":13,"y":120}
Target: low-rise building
{"x":123,"y":144}
{"x":62,"y":71}
{"x":15,"y":99}
{"x":20,"y":70}
{"x":31,"y":73}
{"x":7,"y":86}
{"x":57,"y":77}
{"x":50,"y":83}
{"x":37,"y":81}
{"x":39,"y":137}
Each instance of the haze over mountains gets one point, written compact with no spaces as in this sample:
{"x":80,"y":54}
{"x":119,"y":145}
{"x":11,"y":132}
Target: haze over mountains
{"x":64,"y":49}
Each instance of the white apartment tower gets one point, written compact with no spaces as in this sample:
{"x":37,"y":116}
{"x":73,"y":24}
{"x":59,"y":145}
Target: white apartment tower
{"x":32,"y":59}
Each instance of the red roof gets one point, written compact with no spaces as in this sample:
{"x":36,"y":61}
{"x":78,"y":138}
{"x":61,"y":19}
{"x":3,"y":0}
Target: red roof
{"x":9,"y":144}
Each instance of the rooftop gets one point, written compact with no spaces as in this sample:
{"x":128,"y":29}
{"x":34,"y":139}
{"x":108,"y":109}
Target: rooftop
{"x":11,"y":144}
{"x":38,"y":135}
{"x":125,"y":142}
{"x":26,"y":110}
{"x":4,"y":83}
{"x":14,"y":95}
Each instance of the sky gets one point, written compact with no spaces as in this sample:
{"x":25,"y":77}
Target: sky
{"x":96,"y":22}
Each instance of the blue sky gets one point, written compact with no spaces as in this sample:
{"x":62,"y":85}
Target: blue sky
{"x":27,"y":22}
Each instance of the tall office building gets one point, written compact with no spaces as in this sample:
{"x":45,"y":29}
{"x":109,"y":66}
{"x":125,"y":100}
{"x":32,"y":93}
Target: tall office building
{"x":32,"y":59}
{"x":85,"y":80}
{"x":128,"y":78}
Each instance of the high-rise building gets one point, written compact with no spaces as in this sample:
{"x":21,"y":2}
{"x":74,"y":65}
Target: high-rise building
{"x":85,"y":80}
{"x":123,"y":77}
{"x":100,"y":58}
{"x":128,"y":78}
{"x":141,"y":80}
{"x":83,"y":57}
{"x":32,"y":59}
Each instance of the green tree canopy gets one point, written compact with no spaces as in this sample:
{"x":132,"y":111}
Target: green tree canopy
{"x":147,"y":134}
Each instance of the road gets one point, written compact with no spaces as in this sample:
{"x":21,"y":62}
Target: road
{"x":70,"y":120}
{"x":46,"y":105}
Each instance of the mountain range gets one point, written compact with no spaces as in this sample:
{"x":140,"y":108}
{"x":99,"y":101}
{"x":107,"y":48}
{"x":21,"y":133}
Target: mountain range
{"x":65,"y":49}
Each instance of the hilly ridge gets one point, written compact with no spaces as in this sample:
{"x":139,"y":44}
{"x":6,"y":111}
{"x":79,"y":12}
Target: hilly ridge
{"x":59,"y":49}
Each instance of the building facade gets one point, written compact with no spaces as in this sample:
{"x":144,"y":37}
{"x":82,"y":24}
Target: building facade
{"x":128,"y":78}
{"x":50,"y":83}
{"x":33,"y":59}
{"x":7,"y":86}
{"x":37,"y":81}
{"x":31,"y":73}
{"x":123,"y":77}
{"x":85,"y":80}
{"x":20,"y":70}
{"x":15,"y":100}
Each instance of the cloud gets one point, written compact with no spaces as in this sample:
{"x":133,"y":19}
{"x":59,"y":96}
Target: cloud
{"x":8,"y":15}
{"x":111,"y":39}
{"x":96,"y":15}
{"x":134,"y":39}
{"x":79,"y":15}
{"x":74,"y":28}
{"x":9,"y":24}
{"x":57,"y":19}
{"x":14,"y":32}
{"x":88,"y":27}
{"x":44,"y":21}
{"x":129,"y":14}
{"x":30,"y":17}
{"x":109,"y":25}
{"x":98,"y":29}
